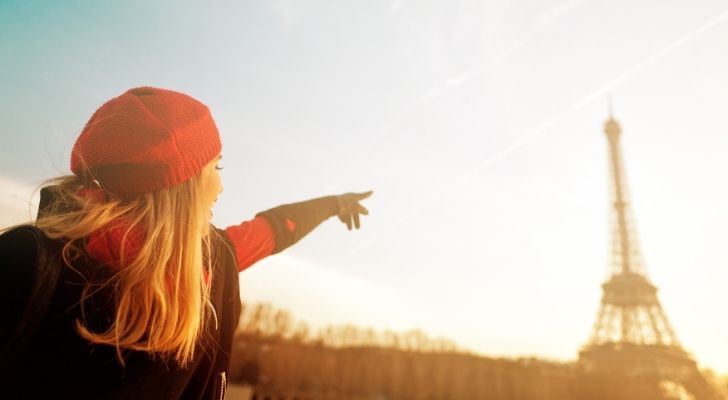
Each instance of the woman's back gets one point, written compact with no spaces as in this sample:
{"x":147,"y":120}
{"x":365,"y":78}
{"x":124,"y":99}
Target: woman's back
{"x":56,"y":359}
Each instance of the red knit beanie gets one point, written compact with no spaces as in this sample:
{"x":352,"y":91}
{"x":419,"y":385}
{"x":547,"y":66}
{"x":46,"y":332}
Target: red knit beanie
{"x":145,"y":140}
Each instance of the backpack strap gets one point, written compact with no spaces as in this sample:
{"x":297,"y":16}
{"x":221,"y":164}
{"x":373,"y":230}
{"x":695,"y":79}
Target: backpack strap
{"x":46,"y":268}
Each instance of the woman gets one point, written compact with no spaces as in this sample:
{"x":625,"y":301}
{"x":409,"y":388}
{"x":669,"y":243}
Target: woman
{"x":122,"y":288}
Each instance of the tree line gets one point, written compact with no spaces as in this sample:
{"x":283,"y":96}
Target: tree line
{"x":285,"y":359}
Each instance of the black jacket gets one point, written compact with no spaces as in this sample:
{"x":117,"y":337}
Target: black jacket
{"x":57,"y":362}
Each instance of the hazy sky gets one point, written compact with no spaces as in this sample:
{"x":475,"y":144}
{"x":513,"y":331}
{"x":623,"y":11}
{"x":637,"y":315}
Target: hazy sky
{"x":477,"y":123}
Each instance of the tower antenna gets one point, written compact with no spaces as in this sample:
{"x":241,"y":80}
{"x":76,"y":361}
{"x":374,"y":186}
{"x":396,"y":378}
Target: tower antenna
{"x":609,"y":106}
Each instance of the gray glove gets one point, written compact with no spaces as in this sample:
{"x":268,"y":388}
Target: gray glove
{"x":349,"y":208}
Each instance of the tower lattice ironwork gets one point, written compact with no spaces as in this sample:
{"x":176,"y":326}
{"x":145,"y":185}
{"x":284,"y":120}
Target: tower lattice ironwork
{"x":632,"y":333}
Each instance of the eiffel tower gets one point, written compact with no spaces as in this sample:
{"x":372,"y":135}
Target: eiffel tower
{"x":632,"y":334}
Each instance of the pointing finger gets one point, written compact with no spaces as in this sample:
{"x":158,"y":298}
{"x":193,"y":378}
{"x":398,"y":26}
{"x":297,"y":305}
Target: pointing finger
{"x":363,"y":195}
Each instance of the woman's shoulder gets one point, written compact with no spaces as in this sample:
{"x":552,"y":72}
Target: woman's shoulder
{"x":19,"y":251}
{"x":19,"y":247}
{"x":25,"y":256}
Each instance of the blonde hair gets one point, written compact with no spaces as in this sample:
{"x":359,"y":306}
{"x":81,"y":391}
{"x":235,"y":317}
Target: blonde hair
{"x":162,"y":299}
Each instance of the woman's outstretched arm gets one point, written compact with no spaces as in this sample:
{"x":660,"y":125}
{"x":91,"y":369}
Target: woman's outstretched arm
{"x":276,"y":229}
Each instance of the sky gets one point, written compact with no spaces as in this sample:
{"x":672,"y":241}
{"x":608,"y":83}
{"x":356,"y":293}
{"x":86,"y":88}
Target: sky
{"x":478,"y":124}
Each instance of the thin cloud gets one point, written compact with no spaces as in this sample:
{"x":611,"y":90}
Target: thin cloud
{"x":542,"y":22}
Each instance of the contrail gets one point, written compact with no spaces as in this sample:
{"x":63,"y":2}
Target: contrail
{"x":578,"y":105}
{"x":421,"y":101}
{"x":542,"y":22}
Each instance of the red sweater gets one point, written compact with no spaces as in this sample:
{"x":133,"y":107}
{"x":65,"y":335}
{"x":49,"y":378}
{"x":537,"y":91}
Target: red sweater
{"x":253,"y":240}
{"x":274,"y":230}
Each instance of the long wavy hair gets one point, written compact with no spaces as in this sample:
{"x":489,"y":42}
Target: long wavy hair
{"x":162,"y":298}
